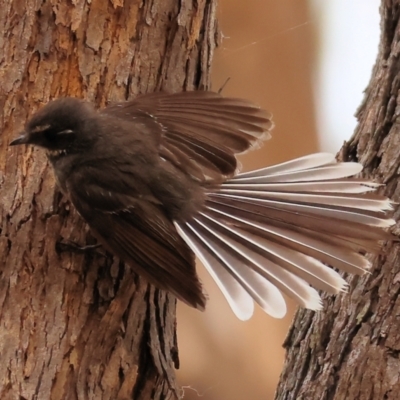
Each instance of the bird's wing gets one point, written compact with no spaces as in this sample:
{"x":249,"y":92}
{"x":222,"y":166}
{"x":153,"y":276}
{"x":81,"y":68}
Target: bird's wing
{"x":140,"y":233}
{"x":202,"y":131}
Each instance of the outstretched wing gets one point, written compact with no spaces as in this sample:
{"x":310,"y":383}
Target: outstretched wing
{"x":202,"y":131}
{"x":141,"y":234}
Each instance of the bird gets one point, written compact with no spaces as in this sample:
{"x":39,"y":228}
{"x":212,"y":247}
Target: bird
{"x":158,"y":182}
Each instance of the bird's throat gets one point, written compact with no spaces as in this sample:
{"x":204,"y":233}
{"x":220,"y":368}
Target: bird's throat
{"x":56,"y":154}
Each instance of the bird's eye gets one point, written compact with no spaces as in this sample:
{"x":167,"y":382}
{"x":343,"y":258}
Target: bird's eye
{"x":65,"y":132}
{"x":53,"y":134}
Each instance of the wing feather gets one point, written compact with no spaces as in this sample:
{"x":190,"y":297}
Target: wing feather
{"x":140,"y":233}
{"x":201,"y":127}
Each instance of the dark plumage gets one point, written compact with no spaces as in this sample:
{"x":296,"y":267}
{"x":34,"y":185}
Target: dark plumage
{"x":155,"y":180}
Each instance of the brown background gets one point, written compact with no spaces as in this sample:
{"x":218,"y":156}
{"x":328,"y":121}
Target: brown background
{"x":268,"y":52}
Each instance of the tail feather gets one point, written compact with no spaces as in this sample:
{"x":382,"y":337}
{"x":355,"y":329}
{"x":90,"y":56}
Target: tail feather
{"x":370,"y":202}
{"x":298,"y":164}
{"x":292,"y":219}
{"x":278,"y":229}
{"x":241,"y":243}
{"x":305,"y":242}
{"x":341,"y":186}
{"x":320,"y":210}
{"x":336,"y":171}
{"x":265,"y":293}
{"x":235,"y":293}
{"x":306,"y":267}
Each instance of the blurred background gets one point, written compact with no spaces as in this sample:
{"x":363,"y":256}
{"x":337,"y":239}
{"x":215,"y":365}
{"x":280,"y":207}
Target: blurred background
{"x":308,"y":62}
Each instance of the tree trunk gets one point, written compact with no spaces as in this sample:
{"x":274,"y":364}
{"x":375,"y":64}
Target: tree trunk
{"x":82,"y":326}
{"x":351,"y":349}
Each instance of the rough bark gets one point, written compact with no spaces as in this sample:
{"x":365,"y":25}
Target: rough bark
{"x":82,"y":326}
{"x":351,"y":349}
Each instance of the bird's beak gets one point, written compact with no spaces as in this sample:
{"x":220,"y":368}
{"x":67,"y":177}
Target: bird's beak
{"x":22,"y":139}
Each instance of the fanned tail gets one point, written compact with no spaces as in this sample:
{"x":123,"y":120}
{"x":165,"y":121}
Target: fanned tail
{"x":276,"y":229}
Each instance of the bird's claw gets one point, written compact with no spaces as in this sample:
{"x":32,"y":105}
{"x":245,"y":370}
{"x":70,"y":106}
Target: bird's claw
{"x":73,"y":247}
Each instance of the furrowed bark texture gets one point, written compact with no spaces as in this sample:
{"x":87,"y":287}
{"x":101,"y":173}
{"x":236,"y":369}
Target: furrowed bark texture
{"x":351,"y":349}
{"x":81,"y":326}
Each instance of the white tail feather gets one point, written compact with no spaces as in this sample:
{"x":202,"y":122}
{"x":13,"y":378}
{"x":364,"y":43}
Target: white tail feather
{"x":355,"y":263}
{"x":299,"y":164}
{"x":337,"y":186}
{"x":358,"y":202}
{"x":237,"y":297}
{"x":284,"y":280}
{"x":337,"y":171}
{"x":316,"y":210}
{"x":291,"y":220}
{"x":262,"y":291}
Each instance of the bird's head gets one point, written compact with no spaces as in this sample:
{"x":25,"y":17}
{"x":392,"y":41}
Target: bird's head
{"x":59,"y":126}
